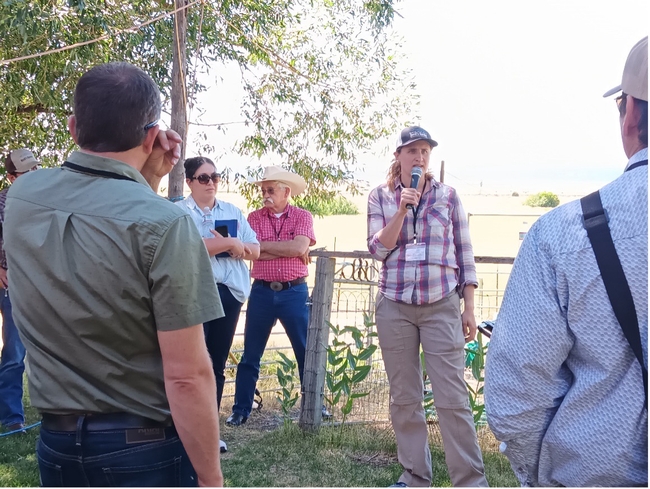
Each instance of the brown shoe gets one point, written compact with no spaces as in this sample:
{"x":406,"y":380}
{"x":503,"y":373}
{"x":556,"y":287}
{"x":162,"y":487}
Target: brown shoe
{"x":16,"y":427}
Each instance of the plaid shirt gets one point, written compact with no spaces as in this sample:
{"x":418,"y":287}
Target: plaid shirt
{"x":293,"y":222}
{"x":3,"y":201}
{"x":442,"y":226}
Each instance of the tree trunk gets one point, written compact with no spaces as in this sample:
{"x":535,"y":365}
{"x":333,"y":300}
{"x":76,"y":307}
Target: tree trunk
{"x":179,"y":96}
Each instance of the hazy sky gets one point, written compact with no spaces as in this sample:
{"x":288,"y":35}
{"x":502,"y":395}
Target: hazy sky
{"x":511,"y":90}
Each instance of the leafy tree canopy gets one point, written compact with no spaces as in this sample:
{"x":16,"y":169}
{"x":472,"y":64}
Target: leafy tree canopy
{"x":543,"y":199}
{"x":321,"y":79}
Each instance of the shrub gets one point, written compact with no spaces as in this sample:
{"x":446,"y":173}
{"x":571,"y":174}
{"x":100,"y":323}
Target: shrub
{"x":330,"y":206}
{"x":543,"y":199}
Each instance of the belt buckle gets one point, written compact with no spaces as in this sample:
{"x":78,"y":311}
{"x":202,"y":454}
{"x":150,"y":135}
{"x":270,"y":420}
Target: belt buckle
{"x":276,"y":286}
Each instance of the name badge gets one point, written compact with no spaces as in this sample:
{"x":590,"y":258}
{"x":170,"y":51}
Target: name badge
{"x":416,"y":252}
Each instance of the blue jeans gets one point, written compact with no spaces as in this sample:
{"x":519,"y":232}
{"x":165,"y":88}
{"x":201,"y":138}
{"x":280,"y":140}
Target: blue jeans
{"x":104,"y":459}
{"x":12,"y":367}
{"x":219,"y":334}
{"x":265,"y":307}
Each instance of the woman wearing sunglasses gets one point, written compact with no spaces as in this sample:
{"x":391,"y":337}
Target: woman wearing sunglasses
{"x":228,"y":248}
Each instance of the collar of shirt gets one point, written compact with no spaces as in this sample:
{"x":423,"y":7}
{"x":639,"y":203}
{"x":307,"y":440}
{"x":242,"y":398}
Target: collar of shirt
{"x":191,"y":204}
{"x":638,"y":156}
{"x":288,"y":211}
{"x":398,"y":182}
{"x":102,"y":163}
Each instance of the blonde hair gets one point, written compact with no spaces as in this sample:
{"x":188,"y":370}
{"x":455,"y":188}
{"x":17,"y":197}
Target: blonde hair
{"x":395,"y":173}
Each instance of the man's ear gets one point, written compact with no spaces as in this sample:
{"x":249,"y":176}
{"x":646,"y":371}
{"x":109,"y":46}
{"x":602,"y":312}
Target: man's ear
{"x":150,"y":139}
{"x":11,"y":178}
{"x":72,"y":128}
{"x":631,"y":117}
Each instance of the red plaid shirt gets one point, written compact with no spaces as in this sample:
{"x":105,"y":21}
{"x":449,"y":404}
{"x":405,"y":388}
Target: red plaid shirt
{"x":293,"y":222}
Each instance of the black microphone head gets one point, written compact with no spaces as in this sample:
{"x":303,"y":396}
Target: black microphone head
{"x":416,"y":173}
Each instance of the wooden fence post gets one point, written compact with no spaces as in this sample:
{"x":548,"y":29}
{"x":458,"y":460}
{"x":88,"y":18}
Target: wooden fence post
{"x":317,"y":340}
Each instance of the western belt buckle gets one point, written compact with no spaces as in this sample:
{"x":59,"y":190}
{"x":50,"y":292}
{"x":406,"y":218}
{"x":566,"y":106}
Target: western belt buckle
{"x":276,"y":286}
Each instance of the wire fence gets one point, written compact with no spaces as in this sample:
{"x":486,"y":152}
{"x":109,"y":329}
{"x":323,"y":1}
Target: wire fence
{"x":355,"y":290}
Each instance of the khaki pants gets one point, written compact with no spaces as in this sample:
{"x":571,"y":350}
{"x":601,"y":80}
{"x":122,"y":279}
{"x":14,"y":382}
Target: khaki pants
{"x":402,"y":328}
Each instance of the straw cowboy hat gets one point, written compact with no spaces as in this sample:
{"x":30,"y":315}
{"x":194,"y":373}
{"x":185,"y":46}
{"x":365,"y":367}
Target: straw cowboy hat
{"x":294,"y":181}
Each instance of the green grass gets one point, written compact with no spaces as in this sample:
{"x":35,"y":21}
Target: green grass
{"x":266,"y":453}
{"x":18,"y":465}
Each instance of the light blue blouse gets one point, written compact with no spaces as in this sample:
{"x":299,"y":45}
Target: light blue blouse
{"x":231,"y":272}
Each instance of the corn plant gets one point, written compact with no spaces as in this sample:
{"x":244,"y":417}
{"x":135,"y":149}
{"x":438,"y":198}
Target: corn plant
{"x":287,"y":381}
{"x":475,"y":360}
{"x":349,"y":364}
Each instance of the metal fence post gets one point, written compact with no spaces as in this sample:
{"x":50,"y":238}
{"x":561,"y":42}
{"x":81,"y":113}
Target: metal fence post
{"x":317,"y":340}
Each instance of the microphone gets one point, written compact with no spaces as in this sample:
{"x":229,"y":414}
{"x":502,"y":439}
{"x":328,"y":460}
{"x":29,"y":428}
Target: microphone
{"x":416,"y":173}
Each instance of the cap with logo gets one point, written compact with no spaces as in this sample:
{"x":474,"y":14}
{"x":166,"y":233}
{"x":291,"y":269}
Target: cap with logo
{"x":412,"y":134}
{"x":20,"y":161}
{"x":635,"y":73}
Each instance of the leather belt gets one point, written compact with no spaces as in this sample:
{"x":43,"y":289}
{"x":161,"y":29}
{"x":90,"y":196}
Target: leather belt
{"x":278,"y":286}
{"x":99,"y":422}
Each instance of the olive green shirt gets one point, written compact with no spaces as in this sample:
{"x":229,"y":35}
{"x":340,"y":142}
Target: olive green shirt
{"x":97,"y":266}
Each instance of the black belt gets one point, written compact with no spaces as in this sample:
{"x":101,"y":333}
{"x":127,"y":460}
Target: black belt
{"x":98,"y":422}
{"x":278,"y":286}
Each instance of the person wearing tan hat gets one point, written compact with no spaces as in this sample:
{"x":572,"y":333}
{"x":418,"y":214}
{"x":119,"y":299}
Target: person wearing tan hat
{"x":12,"y":361}
{"x":279,"y":290}
{"x":566,"y":374}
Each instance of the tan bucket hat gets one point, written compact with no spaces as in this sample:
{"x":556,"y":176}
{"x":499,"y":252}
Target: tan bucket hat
{"x":635,"y":73}
{"x":294,"y":181}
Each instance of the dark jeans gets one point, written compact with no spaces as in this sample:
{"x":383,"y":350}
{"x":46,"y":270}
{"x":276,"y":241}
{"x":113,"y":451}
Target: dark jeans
{"x":104,"y":459}
{"x":12,"y":367}
{"x":219,"y":334}
{"x":265,"y":306}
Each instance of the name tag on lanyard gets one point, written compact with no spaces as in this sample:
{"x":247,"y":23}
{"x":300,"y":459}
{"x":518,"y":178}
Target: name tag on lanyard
{"x":416,"y":251}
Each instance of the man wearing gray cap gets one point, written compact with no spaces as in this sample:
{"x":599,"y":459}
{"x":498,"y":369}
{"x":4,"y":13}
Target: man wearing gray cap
{"x":566,"y":376}
{"x":12,"y":361}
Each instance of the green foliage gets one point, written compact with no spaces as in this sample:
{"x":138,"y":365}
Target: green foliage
{"x":287,"y":397}
{"x":429,"y":407}
{"x":543,"y":199}
{"x":348,"y":365}
{"x":329,"y":206}
{"x":475,"y":360}
{"x":321,"y":80}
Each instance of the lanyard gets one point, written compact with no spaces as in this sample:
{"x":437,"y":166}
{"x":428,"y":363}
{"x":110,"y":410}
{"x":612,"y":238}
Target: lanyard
{"x":275,"y":230}
{"x":101,"y":173}
{"x":416,"y":210}
{"x":636,"y":165}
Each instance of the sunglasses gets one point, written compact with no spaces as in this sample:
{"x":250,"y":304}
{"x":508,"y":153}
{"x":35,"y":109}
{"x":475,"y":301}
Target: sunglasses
{"x":619,"y":100}
{"x":204,"y":178}
{"x":268,"y":190}
{"x":151,"y":124}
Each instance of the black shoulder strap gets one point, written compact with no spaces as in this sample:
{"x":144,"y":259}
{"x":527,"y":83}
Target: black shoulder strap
{"x":618,"y":290}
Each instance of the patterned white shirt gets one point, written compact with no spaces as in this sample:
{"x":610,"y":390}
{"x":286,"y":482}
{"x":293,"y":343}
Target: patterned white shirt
{"x":563,"y":389}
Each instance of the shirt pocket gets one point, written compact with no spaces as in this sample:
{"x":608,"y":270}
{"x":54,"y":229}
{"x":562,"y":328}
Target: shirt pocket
{"x":438,"y":218}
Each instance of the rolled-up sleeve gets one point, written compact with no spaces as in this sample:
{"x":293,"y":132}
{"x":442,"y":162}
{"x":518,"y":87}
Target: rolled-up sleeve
{"x":463,"y":244}
{"x":525,"y":383}
{"x":376,"y":222}
{"x":183,"y":291}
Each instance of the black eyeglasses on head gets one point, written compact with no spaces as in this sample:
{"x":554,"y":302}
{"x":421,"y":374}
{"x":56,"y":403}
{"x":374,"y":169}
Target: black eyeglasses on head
{"x":204,"y":178}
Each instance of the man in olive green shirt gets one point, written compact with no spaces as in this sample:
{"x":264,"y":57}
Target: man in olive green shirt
{"x":110,"y":285}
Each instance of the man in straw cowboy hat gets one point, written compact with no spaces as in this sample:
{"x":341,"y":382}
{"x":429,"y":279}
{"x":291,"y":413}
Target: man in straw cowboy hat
{"x":279,"y":290}
{"x":565,"y":376}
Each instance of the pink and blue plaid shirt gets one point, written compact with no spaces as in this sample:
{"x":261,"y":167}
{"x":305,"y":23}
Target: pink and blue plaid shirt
{"x":441,"y":224}
{"x":293,"y":222}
